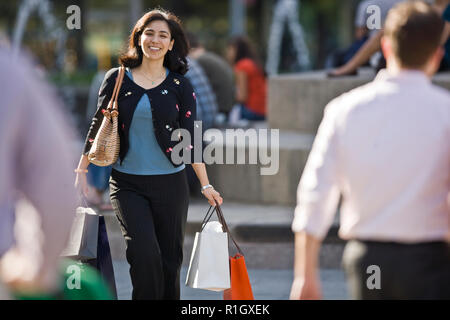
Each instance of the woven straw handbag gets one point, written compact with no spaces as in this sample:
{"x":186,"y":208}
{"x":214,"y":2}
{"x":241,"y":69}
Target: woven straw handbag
{"x":106,"y":146}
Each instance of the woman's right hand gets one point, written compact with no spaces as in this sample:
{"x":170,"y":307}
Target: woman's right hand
{"x":81,"y":184}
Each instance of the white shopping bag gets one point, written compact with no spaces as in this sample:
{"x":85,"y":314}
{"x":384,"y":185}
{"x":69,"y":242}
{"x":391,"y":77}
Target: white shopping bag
{"x":209,"y":267}
{"x":83,"y":239}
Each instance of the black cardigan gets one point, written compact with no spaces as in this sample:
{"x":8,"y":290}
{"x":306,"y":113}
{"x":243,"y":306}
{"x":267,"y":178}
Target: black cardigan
{"x":173,"y":106}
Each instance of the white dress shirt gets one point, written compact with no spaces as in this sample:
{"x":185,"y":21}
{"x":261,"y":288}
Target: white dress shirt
{"x":385,"y":147}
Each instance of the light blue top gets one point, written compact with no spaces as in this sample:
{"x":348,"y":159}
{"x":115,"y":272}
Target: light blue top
{"x":144,"y":156}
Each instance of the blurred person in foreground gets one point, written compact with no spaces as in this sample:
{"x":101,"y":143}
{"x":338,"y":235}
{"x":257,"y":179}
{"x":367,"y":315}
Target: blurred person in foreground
{"x":384,"y":147}
{"x":36,"y":165}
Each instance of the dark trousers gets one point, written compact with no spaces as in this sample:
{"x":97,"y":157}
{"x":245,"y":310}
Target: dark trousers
{"x":152,"y":212}
{"x":406,"y":271}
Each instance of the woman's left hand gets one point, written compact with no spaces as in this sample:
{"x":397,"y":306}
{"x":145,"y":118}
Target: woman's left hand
{"x":213,"y":196}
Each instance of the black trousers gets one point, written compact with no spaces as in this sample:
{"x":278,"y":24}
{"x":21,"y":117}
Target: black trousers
{"x":406,"y":271}
{"x":152,"y":213}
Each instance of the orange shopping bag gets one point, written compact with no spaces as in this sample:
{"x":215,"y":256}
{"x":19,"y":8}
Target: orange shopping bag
{"x":240,"y":283}
{"x":241,"y":288}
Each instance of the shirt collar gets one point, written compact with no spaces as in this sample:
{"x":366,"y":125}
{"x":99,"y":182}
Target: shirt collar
{"x":411,"y":76}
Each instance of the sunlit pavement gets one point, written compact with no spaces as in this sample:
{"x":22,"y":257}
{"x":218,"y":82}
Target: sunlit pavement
{"x":266,"y":284}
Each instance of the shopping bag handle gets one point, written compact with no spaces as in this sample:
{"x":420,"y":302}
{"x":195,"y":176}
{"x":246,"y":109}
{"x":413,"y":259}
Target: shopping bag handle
{"x":207,"y":217}
{"x":222,"y":221}
{"x":82,"y":200}
{"x":225,"y":225}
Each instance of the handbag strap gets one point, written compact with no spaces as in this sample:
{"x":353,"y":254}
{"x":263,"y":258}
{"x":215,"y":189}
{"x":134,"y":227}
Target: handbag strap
{"x":222,"y":221}
{"x":113,"y":102}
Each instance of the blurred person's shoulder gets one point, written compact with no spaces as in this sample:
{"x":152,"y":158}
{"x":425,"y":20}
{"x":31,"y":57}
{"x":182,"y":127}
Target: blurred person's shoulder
{"x":245,"y":64}
{"x":211,"y":57}
{"x":5,"y":56}
{"x":20,"y":72}
{"x":440,"y":91}
{"x":13,"y":64}
{"x":193,"y":68}
{"x":212,"y":63}
{"x":443,"y":96}
{"x":348,"y":101}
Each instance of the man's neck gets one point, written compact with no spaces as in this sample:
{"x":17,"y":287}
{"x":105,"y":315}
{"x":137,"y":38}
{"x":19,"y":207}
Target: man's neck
{"x":394,"y":68}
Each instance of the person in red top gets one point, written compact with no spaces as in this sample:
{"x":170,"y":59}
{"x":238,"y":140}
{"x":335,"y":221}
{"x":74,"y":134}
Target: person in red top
{"x":251,"y":86}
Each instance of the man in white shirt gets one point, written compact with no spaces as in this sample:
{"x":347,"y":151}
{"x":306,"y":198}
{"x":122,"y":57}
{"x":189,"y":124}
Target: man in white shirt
{"x":385,"y":147}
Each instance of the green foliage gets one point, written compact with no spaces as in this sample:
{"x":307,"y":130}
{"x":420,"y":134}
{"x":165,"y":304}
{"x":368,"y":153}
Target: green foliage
{"x":78,"y":78}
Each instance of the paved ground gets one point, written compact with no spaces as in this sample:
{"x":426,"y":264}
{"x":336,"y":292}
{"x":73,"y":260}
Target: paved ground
{"x":266,"y":284}
{"x":261,"y":230}
{"x":264,"y":234}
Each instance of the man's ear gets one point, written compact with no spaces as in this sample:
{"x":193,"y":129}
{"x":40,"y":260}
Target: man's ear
{"x":439,"y":54}
{"x":386,"y":47}
{"x":434,"y":62}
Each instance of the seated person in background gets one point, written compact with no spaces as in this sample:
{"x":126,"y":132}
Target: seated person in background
{"x":251,"y":86}
{"x":371,"y":46}
{"x":342,"y":56}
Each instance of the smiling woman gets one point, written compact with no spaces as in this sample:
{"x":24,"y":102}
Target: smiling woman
{"x":148,"y":190}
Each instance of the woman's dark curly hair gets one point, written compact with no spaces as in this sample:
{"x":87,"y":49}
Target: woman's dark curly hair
{"x":174,"y":60}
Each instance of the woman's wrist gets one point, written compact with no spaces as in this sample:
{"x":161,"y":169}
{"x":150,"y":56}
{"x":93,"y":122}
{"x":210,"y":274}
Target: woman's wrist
{"x":208,"y":186}
{"x":78,"y":170}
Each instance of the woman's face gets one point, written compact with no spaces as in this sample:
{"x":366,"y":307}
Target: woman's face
{"x":155,"y":40}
